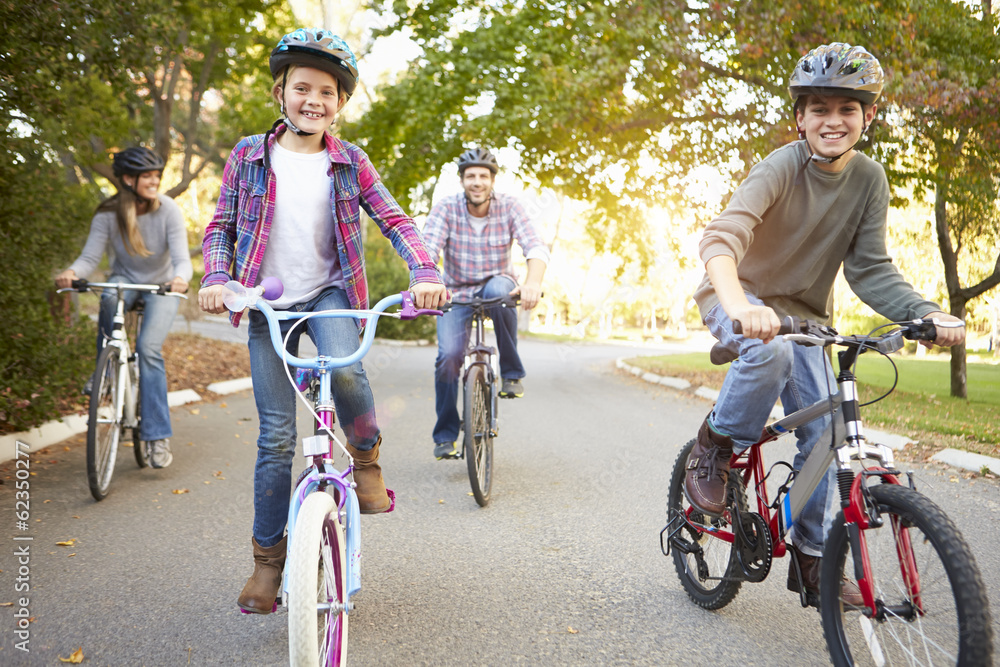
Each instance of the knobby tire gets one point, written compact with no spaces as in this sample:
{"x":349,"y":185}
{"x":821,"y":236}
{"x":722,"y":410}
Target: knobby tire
{"x":949,"y":624}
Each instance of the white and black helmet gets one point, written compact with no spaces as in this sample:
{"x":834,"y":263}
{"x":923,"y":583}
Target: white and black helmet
{"x":477,"y":157}
{"x":838,"y":69}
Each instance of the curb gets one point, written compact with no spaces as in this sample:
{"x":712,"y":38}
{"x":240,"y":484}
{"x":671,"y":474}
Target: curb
{"x":952,"y":457}
{"x":58,"y":430}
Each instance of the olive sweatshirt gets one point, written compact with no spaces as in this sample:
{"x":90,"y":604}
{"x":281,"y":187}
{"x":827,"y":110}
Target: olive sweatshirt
{"x":790,"y":225}
{"x":164,"y":234}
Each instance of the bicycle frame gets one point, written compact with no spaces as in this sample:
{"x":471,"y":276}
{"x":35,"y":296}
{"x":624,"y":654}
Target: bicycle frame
{"x":318,"y":449}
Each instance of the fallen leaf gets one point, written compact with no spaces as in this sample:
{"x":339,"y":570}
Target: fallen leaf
{"x":6,"y":604}
{"x":572,"y":630}
{"x":468,"y":493}
{"x":195,"y":411}
{"x":65,"y":449}
{"x":67,"y":543}
{"x":71,"y":555}
{"x":441,"y":501}
{"x":180,"y":491}
{"x":46,"y":501}
{"x":207,"y":482}
{"x":76,"y":516}
{"x":76,"y":658}
{"x":223,"y":405}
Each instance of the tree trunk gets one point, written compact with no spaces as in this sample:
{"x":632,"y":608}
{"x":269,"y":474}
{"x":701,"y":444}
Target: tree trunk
{"x":959,"y":372}
{"x":956,"y":298}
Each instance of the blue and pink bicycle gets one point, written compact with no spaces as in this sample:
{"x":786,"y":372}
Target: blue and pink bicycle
{"x":323,"y":566}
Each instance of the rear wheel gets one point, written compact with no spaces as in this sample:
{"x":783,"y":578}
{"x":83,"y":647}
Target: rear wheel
{"x":138,"y":446}
{"x":317,"y":585}
{"x":709,"y":573}
{"x":104,"y":427}
{"x":931,"y":604}
{"x":478,"y":436}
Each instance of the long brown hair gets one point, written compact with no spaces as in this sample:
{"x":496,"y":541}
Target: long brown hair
{"x":124,"y":204}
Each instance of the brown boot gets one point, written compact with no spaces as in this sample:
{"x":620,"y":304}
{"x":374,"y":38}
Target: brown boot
{"x":372,"y":496}
{"x":261,"y":590}
{"x":707,"y":471}
{"x":810,"y":567}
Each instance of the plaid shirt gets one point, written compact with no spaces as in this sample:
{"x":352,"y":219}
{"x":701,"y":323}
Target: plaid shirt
{"x":237,"y":236}
{"x":471,"y":258}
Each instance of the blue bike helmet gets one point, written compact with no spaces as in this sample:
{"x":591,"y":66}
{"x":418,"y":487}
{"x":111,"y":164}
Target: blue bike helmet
{"x":315,"y":47}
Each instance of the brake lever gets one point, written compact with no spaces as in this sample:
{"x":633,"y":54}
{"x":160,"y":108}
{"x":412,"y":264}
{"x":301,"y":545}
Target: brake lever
{"x":409,"y":311}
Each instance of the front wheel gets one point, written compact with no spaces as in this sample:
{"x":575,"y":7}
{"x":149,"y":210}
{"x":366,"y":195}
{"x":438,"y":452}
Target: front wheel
{"x":104,"y":426}
{"x":930,"y":602}
{"x":317,"y":585}
{"x":706,"y":565}
{"x":478,"y":435}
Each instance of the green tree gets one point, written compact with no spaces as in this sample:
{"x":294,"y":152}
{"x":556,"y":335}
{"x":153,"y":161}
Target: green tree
{"x":617,"y":103}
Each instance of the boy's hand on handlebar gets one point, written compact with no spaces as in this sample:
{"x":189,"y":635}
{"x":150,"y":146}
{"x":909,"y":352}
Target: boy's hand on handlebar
{"x":946,"y":336}
{"x":758,"y":322}
{"x":211,"y":299}
{"x":65,"y":279}
{"x":529,"y":293}
{"x":430,"y":296}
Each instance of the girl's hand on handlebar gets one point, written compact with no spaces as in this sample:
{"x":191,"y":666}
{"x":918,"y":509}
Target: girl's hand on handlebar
{"x":946,"y":336}
{"x":758,"y":322}
{"x":211,"y":299}
{"x":529,"y":293}
{"x":429,"y":295}
{"x":65,"y":279}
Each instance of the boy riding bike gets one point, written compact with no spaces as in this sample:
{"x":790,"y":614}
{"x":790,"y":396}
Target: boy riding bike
{"x":802,"y":212}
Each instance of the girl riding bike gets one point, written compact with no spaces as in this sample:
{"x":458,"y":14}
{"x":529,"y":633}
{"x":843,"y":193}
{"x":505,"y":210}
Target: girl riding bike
{"x":289,"y":207}
{"x":144,"y":232}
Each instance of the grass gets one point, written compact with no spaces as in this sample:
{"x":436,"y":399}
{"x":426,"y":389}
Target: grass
{"x":925,"y":410}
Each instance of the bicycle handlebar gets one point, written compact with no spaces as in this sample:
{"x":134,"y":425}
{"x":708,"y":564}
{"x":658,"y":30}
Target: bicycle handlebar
{"x":809,"y":332}
{"x":271,"y":288}
{"x":505,"y":301}
{"x":84,"y":285}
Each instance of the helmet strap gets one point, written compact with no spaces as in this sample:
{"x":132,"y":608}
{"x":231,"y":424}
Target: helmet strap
{"x":135,"y":192}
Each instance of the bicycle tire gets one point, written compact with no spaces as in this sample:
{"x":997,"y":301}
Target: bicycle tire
{"x":714,"y":586}
{"x":317,"y":577}
{"x":478,"y":445}
{"x":138,"y":446}
{"x":104,"y":424}
{"x":954,"y":628}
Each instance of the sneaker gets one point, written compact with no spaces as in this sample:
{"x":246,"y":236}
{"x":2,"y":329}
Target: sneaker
{"x":159,"y":453}
{"x":445,"y":450}
{"x":88,"y":388}
{"x":511,"y":389}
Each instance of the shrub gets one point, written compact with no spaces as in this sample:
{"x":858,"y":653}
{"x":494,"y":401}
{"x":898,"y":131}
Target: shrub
{"x":43,"y":222}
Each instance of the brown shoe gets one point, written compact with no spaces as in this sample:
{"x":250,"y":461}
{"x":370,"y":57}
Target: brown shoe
{"x":260,"y":593}
{"x":809,"y":566}
{"x":372,"y":496}
{"x":707,"y":471}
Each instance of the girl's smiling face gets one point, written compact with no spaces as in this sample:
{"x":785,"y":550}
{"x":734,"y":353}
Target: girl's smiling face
{"x":311,"y":97}
{"x":147,"y":184}
{"x":833,"y":124}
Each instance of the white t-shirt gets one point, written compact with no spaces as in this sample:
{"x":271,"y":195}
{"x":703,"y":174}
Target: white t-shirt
{"x":302,"y":245}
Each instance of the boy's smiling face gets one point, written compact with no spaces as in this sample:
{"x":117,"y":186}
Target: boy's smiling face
{"x":833,"y":125}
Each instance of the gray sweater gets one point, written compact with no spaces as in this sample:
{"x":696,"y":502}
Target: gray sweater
{"x":164,"y":234}
{"x":790,"y":225}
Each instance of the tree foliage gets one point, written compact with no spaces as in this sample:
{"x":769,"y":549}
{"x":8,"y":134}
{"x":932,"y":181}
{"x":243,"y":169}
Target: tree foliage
{"x":618,"y":103}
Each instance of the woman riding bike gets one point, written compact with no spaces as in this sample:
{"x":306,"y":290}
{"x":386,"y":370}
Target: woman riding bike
{"x":144,"y":234}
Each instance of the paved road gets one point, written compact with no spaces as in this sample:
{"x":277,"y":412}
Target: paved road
{"x":563,"y":568}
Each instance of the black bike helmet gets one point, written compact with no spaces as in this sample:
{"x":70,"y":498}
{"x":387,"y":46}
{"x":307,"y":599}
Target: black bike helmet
{"x":838,"y":69}
{"x":135,"y":161}
{"x":477,"y":157}
{"x":315,"y":47}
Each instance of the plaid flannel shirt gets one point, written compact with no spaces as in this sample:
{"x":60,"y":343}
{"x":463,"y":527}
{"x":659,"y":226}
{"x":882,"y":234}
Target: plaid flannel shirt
{"x":471,"y":258}
{"x":236,"y":238}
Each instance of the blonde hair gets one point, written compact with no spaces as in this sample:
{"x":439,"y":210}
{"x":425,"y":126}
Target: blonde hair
{"x":124,"y":204}
{"x":286,"y":74}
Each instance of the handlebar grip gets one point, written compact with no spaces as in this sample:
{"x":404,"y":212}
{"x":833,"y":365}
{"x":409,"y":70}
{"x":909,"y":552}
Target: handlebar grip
{"x":79,"y":284}
{"x":790,"y":324}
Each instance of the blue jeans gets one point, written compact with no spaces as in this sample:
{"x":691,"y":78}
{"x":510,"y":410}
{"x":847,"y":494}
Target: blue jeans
{"x":158,"y":316}
{"x":453,"y":331}
{"x":800,"y":376}
{"x":275,"y":399}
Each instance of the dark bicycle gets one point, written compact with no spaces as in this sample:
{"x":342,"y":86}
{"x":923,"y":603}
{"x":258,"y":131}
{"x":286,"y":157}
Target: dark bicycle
{"x":480,"y":378}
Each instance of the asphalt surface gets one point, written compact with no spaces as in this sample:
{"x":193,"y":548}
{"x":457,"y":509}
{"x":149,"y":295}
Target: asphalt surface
{"x":563,"y":568}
